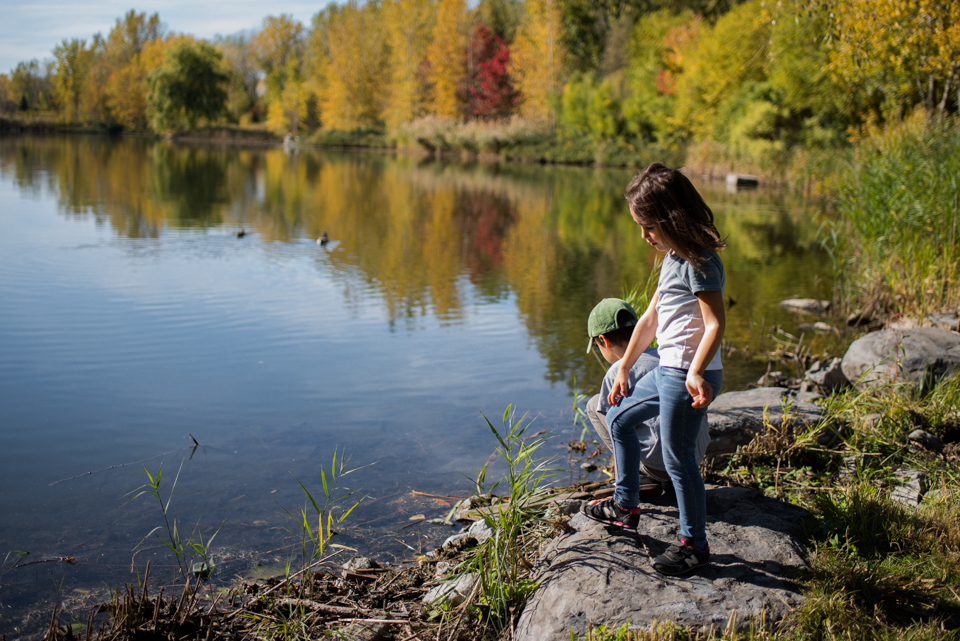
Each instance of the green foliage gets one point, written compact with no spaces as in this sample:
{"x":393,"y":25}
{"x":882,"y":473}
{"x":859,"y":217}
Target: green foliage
{"x":170,"y":534}
{"x":899,"y":217}
{"x":315,"y":522}
{"x":189,"y":87}
{"x":501,"y":561}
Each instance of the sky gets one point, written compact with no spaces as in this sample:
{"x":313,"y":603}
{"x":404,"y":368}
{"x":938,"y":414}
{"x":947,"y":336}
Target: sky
{"x":32,"y":28}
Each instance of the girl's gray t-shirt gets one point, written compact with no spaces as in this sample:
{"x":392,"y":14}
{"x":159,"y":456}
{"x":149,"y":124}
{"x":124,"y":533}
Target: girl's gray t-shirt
{"x":680,"y":325}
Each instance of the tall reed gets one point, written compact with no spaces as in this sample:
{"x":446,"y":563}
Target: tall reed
{"x":896,"y":246}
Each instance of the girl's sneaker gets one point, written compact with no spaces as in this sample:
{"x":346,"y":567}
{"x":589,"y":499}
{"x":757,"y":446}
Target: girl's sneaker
{"x":680,"y":558}
{"x":607,"y":511}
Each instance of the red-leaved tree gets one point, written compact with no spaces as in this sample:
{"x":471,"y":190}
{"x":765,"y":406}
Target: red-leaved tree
{"x":487,"y":92}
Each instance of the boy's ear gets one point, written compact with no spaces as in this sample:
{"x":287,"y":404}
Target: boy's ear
{"x":602,"y":341}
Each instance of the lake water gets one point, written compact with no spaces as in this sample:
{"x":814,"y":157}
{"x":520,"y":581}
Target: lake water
{"x":132,"y":317}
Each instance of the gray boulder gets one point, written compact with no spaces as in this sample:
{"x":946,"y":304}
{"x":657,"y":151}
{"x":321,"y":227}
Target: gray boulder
{"x":827,"y":376}
{"x":910,"y":355}
{"x":592,"y":577}
{"x":736,"y":417}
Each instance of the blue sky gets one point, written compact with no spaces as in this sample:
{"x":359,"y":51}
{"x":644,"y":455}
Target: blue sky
{"x":31,"y":29}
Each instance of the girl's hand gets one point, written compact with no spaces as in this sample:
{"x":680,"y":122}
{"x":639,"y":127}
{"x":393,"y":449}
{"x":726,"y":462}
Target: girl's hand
{"x":620,"y":388}
{"x":699,"y":389}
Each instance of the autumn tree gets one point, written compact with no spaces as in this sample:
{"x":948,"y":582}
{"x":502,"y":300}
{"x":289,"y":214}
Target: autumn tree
{"x":445,"y":56}
{"x":190,"y":86}
{"x":538,"y":57}
{"x":73,"y":60}
{"x":126,"y":88}
{"x":30,"y":86}
{"x":279,"y":51}
{"x":240,"y":64}
{"x":487,"y":91}
{"x":896,"y":53}
{"x":408,"y":25}
{"x":354,"y":79}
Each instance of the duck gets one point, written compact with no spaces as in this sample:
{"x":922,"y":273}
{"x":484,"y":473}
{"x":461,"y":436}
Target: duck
{"x":240,"y":234}
{"x":323,"y":240}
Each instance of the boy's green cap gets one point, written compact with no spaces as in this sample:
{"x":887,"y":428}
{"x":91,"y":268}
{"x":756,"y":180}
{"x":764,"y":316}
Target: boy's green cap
{"x":603,"y":318}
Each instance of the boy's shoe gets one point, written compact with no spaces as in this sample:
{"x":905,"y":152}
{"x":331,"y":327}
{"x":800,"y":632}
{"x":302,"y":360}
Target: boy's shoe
{"x":607,"y":511}
{"x":680,"y":558}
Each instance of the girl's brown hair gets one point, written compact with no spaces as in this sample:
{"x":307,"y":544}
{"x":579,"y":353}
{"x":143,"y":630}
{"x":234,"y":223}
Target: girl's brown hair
{"x":666,"y":201}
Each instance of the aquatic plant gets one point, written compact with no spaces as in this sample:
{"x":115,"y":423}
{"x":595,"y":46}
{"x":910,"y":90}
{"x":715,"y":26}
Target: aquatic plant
{"x":184,"y":551}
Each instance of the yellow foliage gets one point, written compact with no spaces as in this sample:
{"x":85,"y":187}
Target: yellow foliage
{"x":446,"y":55}
{"x":353,"y":72}
{"x":897,"y":47}
{"x":537,"y":58}
{"x":723,"y":59}
{"x":408,"y":27}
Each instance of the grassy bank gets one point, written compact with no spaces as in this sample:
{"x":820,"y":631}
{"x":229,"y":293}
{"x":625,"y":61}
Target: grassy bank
{"x":895,"y":244}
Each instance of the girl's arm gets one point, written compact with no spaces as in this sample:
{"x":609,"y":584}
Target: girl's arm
{"x":714,"y":321}
{"x":640,"y":339}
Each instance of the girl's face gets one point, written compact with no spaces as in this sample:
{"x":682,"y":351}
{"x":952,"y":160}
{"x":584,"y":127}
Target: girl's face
{"x":650,"y":234}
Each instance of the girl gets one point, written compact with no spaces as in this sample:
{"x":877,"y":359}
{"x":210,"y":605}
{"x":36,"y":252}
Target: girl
{"x":687,"y":317}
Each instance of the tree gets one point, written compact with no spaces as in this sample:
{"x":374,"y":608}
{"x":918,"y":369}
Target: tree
{"x":538,"y":58}
{"x":445,"y":56}
{"x":30,"y":87}
{"x":487,"y":92}
{"x":408,"y":25}
{"x":240,"y":64}
{"x":73,"y":60}
{"x":279,"y":51}
{"x":352,"y":80}
{"x":897,"y":52}
{"x":126,"y":88}
{"x":190,"y":86}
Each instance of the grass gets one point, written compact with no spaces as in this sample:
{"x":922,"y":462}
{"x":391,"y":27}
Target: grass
{"x":503,"y":562}
{"x":895,"y":245}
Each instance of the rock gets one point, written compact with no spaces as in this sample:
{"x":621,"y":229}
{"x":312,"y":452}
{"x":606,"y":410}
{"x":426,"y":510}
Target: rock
{"x":735,"y":417}
{"x":910,"y":491}
{"x":591,"y":577}
{"x":926,"y":440}
{"x":770,"y":379}
{"x":827,"y":376}
{"x":588,"y":467}
{"x":945,"y":321}
{"x":360,"y":563}
{"x":820,"y":328}
{"x":454,"y":592}
{"x":363,"y":631}
{"x":477,"y":533}
{"x":443,"y":568}
{"x":914,"y":355}
{"x":806,"y":305}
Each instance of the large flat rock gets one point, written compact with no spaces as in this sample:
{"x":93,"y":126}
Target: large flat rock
{"x":901,"y":355}
{"x":592,"y":577}
{"x":736,"y":417}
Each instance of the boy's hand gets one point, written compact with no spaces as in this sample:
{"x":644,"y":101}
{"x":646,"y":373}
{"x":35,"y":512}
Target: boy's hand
{"x":620,"y":388}
{"x":699,"y":389}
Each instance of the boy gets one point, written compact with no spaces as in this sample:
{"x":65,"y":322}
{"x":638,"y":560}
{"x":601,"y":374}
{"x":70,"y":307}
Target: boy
{"x":609,"y":327}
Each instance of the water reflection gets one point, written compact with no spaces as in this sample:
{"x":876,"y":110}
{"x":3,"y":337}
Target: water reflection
{"x":133,"y":316}
{"x":557,"y":239}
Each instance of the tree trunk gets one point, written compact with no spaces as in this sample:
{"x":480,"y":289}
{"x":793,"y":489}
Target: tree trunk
{"x":930,"y":93}
{"x":946,"y":92}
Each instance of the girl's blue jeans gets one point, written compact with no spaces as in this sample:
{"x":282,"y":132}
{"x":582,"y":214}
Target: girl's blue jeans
{"x":663,"y":392}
